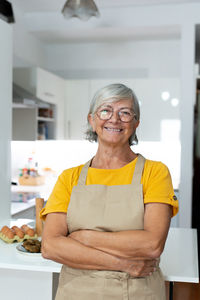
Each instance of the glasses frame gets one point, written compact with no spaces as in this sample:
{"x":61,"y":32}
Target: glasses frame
{"x":118,"y":113}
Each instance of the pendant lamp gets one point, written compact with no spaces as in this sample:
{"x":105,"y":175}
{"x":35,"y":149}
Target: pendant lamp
{"x":82,"y":9}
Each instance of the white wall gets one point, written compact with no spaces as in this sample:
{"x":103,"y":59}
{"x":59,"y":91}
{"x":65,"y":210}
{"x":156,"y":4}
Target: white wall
{"x":188,"y":94}
{"x":5,"y":117}
{"x":133,"y":59}
{"x":27,"y":50}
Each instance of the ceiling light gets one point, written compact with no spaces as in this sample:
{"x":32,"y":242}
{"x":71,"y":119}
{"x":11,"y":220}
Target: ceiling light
{"x":174,"y":102}
{"x":165,"y":95}
{"x":6,"y":11}
{"x":82,"y":9}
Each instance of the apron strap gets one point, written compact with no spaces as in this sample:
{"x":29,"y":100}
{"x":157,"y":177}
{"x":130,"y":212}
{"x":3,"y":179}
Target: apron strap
{"x":137,"y":175}
{"x":83,"y":174}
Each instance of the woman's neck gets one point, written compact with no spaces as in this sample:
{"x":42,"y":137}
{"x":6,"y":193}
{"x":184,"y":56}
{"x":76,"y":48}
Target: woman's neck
{"x":112,"y":157}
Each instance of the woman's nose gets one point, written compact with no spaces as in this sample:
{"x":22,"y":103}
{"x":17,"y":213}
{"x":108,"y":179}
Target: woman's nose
{"x":115,"y":116}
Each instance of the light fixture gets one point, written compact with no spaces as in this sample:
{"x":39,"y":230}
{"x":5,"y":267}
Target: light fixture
{"x":82,"y":9}
{"x":165,"y":96}
{"x":6,"y":11}
{"x":174,"y":102}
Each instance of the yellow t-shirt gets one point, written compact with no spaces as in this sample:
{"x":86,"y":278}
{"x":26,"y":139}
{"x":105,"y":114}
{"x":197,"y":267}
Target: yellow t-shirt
{"x":156,"y":180}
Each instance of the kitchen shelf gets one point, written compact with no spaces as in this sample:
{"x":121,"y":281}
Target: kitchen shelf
{"x":45,"y":119}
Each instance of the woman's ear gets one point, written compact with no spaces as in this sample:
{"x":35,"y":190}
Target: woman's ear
{"x":137,"y":124}
{"x":91,"y":121}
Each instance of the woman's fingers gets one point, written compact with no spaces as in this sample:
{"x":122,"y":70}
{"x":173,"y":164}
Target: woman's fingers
{"x":142,"y":268}
{"x":138,"y":272}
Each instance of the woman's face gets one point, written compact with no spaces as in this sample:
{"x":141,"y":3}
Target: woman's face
{"x":114,"y":130}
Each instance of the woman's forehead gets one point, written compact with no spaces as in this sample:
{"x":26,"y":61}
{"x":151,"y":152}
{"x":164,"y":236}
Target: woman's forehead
{"x":115,"y":102}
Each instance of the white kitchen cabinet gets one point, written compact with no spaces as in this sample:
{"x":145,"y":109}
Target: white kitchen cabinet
{"x":76,"y":108}
{"x":48,"y":88}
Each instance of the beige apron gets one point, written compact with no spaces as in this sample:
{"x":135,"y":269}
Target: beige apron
{"x":108,"y":208}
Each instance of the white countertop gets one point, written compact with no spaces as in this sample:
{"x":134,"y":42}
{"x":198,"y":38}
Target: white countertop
{"x":11,"y":258}
{"x":179,"y":262}
{"x":17,"y":207}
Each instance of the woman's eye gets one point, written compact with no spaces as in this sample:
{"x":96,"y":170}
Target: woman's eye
{"x":127,"y":113}
{"x":105,"y":111}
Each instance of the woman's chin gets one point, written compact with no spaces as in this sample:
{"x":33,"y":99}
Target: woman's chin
{"x":112,"y":141}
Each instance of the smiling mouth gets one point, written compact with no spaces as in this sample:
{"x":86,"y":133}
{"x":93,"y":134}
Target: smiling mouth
{"x":113,"y":129}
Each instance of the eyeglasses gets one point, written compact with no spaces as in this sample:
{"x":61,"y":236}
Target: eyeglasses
{"x":125,"y":114}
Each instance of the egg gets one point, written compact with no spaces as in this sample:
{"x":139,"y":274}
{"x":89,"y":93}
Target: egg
{"x":19,"y":232}
{"x":24,"y":228}
{"x":30,"y":232}
{"x":10,"y":234}
{"x":4,"y":229}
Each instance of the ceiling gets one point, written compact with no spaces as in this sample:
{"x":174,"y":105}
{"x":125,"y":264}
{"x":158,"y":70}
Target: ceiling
{"x":43,"y":19}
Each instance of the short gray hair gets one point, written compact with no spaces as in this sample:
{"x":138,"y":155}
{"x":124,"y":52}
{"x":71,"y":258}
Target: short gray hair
{"x":108,"y":94}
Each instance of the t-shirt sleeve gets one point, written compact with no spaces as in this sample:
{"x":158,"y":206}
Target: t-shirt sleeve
{"x":159,"y":186}
{"x":60,"y":196}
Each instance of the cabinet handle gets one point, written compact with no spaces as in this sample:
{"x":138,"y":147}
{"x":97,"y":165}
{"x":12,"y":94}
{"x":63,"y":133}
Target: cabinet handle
{"x":49,"y":94}
{"x":69,"y":129}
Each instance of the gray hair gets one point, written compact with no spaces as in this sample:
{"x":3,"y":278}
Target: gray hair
{"x":108,"y":94}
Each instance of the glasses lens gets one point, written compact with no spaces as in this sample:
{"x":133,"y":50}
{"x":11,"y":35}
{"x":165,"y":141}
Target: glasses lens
{"x":104,"y":114}
{"x":126,"y":115}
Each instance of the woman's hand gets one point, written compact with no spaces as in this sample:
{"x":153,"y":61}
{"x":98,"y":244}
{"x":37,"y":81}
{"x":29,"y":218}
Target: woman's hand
{"x":141,"y":267}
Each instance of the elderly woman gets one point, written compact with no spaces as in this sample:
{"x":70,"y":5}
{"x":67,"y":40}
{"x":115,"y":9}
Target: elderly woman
{"x":107,"y":221}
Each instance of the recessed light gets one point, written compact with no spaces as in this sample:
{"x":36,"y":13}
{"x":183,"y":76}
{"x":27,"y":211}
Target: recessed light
{"x":165,"y":96}
{"x":174,"y":102}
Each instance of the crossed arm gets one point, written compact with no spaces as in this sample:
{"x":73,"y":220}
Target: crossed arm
{"x":134,"y":252}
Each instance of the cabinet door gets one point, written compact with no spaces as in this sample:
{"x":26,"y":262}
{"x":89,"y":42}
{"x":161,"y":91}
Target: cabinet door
{"x":60,"y":109}
{"x":24,"y":124}
{"x":47,"y":86}
{"x":76,"y":108}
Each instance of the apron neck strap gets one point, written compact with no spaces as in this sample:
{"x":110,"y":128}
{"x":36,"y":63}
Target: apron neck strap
{"x":137,"y":175}
{"x":83,"y":174}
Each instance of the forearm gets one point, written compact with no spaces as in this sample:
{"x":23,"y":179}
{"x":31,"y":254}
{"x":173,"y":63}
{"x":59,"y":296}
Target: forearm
{"x":67,"y":251}
{"x":127,"y":244}
{"x":147,"y":243}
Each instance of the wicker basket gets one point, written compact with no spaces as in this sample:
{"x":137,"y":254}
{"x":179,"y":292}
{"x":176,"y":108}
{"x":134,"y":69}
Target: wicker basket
{"x":30,"y":180}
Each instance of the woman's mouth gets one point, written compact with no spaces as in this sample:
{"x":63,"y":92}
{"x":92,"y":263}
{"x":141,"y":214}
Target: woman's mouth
{"x":113,"y":129}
